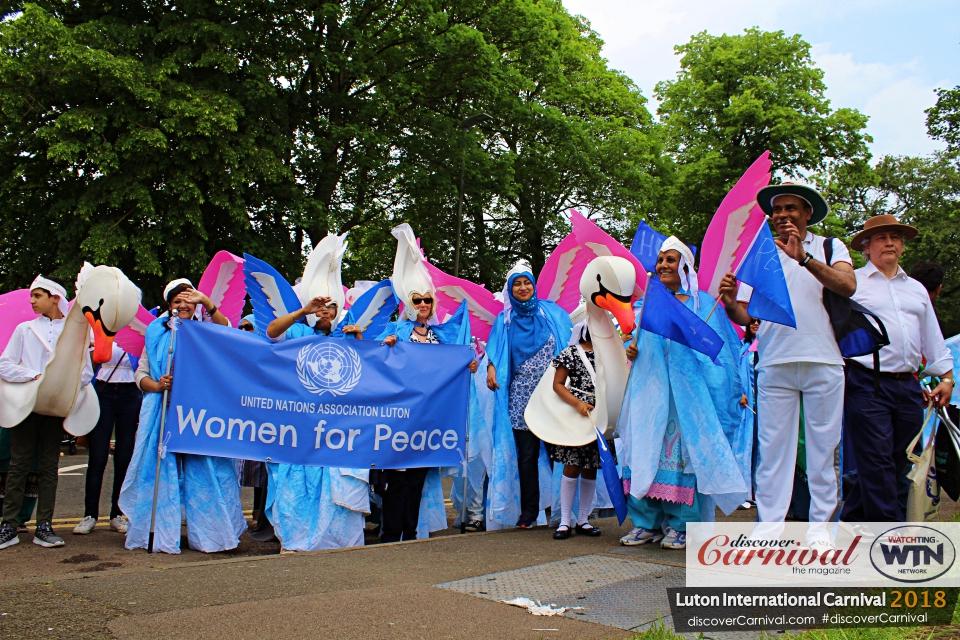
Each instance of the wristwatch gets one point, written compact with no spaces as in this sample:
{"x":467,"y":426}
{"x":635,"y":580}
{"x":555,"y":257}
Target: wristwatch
{"x":807,"y":259}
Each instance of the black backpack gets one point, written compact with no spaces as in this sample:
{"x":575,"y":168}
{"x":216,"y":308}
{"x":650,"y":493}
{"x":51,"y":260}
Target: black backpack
{"x":855,"y":333}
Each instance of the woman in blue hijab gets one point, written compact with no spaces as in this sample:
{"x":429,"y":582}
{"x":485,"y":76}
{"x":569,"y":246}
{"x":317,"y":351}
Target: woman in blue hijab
{"x":526,"y":336}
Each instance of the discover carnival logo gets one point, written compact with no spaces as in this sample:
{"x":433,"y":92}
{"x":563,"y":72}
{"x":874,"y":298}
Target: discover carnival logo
{"x":328,"y":367}
{"x":912,"y":553}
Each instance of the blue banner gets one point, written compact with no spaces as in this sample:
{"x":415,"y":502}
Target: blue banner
{"x":318,"y":401}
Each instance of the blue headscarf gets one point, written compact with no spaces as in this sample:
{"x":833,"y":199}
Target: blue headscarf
{"x":529,"y":329}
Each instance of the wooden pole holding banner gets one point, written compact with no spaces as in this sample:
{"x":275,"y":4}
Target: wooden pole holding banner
{"x":174,"y":321}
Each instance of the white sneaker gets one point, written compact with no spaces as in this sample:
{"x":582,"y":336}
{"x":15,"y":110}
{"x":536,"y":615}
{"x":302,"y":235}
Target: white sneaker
{"x":674,"y":539}
{"x":86,"y":526}
{"x":120,"y":523}
{"x":639,"y":536}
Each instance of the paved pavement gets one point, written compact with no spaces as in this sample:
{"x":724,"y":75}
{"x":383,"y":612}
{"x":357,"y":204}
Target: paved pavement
{"x":446,"y":587}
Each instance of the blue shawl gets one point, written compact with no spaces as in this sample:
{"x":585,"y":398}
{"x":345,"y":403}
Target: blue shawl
{"x":503,"y":493}
{"x":456,"y":330}
{"x":529,"y":330}
{"x":706,"y":397}
{"x":209,"y":493}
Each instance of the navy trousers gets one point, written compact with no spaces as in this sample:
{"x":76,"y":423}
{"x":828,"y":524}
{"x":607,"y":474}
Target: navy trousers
{"x":119,"y":415}
{"x":879,"y":428}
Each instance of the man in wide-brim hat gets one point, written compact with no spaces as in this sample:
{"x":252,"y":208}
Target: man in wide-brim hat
{"x":884,"y":411}
{"x":803,"y":361}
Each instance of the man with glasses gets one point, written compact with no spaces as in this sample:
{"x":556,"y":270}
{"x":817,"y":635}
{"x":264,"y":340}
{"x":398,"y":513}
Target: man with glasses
{"x":883,"y":410}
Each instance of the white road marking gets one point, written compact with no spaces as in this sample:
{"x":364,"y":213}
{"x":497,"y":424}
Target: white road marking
{"x":63,"y":470}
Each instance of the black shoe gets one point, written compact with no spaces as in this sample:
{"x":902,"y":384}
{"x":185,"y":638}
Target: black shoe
{"x":526,"y":524}
{"x":8,"y":536}
{"x":587,"y":529}
{"x":45,"y":537}
{"x":475,"y":525}
{"x":562,"y":533}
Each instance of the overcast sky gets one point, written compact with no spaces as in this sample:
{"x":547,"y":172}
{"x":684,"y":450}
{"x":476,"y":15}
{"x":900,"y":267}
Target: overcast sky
{"x":883,"y":57}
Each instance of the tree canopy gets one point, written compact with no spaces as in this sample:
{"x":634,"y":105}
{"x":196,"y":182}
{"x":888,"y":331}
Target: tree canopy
{"x":737,"y":96}
{"x":149,"y":135}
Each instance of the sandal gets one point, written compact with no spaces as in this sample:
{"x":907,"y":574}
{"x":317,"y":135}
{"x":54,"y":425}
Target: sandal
{"x":562,"y":533}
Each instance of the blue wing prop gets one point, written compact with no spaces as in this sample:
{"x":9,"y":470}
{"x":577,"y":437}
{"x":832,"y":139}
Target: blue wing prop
{"x":270,"y":293}
{"x":372,"y":311}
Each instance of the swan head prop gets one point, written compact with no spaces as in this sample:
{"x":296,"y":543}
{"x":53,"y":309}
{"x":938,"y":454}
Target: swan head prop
{"x":109,"y":302}
{"x":608,"y":282}
{"x":321,"y":276}
{"x":410,"y":273}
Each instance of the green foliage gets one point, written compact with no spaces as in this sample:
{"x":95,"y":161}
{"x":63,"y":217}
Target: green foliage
{"x":923,"y":192}
{"x":148,"y":135}
{"x":736,"y":97}
{"x":128,"y":141}
{"x":943,"y":119}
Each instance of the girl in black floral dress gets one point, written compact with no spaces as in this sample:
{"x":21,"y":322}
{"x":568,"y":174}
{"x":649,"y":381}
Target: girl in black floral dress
{"x":579,"y":463}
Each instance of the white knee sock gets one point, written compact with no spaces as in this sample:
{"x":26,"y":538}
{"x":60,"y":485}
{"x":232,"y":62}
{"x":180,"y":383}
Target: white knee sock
{"x":587,"y":490}
{"x":568,"y":489}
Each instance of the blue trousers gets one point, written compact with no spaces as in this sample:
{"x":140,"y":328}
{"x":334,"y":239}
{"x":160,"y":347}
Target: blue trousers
{"x":650,"y":513}
{"x":879,"y":428}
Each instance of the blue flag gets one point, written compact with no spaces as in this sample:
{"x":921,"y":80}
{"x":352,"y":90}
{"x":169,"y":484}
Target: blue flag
{"x":611,"y":478}
{"x":761,"y":269}
{"x":666,"y":316}
{"x":318,"y":401}
{"x":646,"y":245}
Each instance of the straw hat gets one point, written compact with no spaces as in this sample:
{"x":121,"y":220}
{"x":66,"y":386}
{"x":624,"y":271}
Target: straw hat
{"x":880,"y":223}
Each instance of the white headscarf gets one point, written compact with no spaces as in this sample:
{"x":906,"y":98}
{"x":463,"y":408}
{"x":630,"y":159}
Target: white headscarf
{"x":522,"y":266}
{"x":688,"y":275}
{"x":53,"y":289}
{"x":578,"y":317}
{"x":197,"y":313}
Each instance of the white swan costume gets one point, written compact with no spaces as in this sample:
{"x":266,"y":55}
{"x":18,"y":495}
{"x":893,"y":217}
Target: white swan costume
{"x":106,"y":302}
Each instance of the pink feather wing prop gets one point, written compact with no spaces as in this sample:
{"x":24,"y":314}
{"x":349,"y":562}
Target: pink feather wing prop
{"x":224,"y":284}
{"x":733,"y":228}
{"x":559,"y":280}
{"x":481,"y":304}
{"x":600,"y":243}
{"x":131,"y":337}
{"x":14,"y":309}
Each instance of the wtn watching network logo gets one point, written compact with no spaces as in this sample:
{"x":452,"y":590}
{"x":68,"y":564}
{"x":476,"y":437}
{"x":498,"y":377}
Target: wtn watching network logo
{"x":912,"y":554}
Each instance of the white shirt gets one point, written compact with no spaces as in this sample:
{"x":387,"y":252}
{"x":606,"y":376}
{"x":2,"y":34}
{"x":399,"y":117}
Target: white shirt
{"x":30,"y":348}
{"x":904,"y":307}
{"x":123,"y":373}
{"x":813,"y":339}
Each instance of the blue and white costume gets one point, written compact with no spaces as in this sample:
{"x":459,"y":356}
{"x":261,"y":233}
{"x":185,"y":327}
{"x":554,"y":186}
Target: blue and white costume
{"x":433,"y":514}
{"x":688,"y":407}
{"x":525,"y":338}
{"x":203,"y":489}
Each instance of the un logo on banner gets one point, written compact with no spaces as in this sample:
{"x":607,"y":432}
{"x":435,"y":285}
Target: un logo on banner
{"x":328,"y":367}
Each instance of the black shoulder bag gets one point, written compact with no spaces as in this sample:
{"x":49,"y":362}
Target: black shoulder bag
{"x":857,"y":329}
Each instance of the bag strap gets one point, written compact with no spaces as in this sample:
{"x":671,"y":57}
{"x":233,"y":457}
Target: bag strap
{"x":828,"y":250}
{"x":115,"y":367}
{"x":911,"y":456}
{"x":586,"y":363}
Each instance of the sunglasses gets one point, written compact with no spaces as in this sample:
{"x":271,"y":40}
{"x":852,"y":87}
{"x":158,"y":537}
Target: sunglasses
{"x":422,"y":300}
{"x":247,"y":327}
